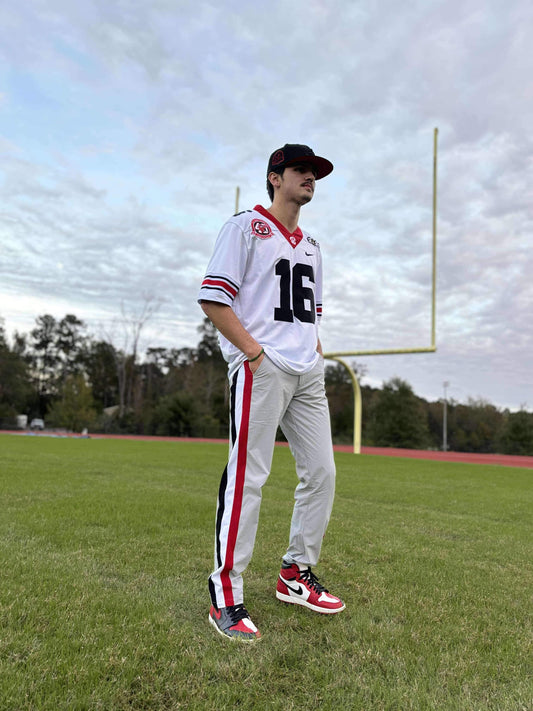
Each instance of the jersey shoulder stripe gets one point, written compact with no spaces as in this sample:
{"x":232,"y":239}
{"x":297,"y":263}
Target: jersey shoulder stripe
{"x":226,"y":279}
{"x":220,"y":283}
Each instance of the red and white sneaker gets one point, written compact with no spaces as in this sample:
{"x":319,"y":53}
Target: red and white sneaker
{"x":301,"y":587}
{"x":234,"y":622}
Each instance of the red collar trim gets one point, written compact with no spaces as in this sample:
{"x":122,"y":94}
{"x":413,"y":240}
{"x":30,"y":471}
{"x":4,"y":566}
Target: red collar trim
{"x":293,"y":238}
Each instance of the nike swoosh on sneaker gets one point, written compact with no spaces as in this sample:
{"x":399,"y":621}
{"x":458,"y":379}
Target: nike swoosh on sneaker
{"x":298,"y":591}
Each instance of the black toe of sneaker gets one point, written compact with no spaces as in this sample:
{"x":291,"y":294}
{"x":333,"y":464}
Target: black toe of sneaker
{"x":234,"y":623}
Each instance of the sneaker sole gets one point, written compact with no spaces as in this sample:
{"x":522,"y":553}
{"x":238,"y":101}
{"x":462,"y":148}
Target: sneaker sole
{"x":304,"y":603}
{"x":246,"y":640}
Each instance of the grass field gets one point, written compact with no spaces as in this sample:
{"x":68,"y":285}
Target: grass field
{"x":106,"y":547}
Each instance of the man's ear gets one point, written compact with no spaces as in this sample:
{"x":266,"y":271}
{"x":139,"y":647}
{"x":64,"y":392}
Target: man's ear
{"x":274,"y":179}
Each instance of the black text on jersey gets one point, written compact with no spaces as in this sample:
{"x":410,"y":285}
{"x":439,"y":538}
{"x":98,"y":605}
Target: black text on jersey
{"x":303,"y":297}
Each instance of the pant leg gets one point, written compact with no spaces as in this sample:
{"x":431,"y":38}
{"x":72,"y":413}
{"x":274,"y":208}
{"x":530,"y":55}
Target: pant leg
{"x":306,"y":424}
{"x":257,"y":403}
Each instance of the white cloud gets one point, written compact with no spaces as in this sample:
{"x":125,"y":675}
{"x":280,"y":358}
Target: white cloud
{"x":126,"y":128}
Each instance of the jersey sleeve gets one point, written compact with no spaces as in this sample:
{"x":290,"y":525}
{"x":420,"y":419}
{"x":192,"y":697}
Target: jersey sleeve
{"x":318,"y":290}
{"x":227,"y":266}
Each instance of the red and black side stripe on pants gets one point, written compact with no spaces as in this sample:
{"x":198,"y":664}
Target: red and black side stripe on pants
{"x":239,"y":472}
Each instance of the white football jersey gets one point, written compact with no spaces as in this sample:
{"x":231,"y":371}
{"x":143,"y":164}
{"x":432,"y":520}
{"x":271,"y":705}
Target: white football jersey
{"x":272,"y":279}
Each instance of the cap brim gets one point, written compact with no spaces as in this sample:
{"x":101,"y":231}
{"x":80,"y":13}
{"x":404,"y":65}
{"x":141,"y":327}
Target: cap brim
{"x":322,"y":165}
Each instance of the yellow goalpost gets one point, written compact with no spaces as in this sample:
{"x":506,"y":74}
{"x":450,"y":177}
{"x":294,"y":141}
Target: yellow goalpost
{"x":339,"y":356}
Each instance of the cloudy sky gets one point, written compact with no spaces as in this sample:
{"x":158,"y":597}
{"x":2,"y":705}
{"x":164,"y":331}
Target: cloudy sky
{"x":126,"y":126}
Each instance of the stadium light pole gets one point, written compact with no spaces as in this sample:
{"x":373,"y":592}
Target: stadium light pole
{"x":445,"y":385}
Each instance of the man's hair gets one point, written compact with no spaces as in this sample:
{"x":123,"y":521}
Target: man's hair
{"x":270,"y":187}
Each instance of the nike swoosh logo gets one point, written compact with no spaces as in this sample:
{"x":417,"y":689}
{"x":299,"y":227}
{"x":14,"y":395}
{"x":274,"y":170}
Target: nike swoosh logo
{"x":298,"y":591}
{"x":309,"y":254}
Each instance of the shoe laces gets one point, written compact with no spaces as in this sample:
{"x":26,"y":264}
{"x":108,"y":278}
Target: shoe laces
{"x":237,"y":612}
{"x":311,"y":580}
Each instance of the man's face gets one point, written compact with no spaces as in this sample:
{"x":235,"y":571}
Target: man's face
{"x":297,"y":184}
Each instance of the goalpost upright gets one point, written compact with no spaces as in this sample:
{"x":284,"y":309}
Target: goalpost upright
{"x":339,"y":356}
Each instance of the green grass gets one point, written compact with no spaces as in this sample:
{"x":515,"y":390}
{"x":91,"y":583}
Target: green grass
{"x":106,"y":547}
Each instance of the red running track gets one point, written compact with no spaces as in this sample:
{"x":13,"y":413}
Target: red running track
{"x":506,"y":460}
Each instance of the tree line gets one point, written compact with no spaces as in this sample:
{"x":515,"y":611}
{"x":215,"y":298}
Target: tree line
{"x":394,"y":416}
{"x":74,"y":380}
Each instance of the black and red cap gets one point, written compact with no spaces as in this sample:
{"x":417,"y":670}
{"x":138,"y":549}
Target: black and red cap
{"x":293,"y":153}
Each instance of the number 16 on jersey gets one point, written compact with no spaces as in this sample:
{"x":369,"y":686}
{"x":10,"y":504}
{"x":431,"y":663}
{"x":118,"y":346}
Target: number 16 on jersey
{"x":291,"y":282}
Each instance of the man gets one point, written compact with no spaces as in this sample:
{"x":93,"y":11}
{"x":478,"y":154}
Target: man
{"x":263,"y":292}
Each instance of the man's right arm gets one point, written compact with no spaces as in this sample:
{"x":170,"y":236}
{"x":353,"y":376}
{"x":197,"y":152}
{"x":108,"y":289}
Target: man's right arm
{"x":225,"y":320}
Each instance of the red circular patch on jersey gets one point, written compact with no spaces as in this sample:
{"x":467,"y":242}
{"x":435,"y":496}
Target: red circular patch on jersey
{"x":261,"y":229}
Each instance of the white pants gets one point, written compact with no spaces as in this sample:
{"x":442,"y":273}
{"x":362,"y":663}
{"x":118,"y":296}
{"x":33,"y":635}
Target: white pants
{"x":259,"y":403}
